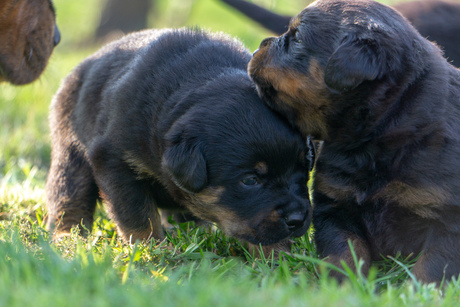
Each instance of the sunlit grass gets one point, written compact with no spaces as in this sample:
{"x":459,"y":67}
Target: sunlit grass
{"x":193,"y":266}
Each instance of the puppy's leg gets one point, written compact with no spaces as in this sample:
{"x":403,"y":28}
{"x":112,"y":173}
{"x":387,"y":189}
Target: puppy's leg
{"x":338,"y":250}
{"x":334,"y":228}
{"x":440,"y":260}
{"x":130,"y":201}
{"x":70,"y":188}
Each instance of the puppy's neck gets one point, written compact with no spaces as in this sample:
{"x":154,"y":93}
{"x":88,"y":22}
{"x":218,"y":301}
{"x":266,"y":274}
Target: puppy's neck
{"x":387,"y":110}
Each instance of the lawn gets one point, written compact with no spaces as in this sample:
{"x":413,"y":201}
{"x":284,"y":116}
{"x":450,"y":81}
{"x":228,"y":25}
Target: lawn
{"x":193,"y":266}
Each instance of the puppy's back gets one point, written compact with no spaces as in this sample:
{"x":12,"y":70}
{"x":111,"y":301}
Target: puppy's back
{"x":149,"y":65}
{"x":164,"y":55}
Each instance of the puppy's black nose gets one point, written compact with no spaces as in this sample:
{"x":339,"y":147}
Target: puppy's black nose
{"x":295,"y":220}
{"x":57,"y":36}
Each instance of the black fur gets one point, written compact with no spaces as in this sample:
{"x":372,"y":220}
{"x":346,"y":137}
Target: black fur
{"x":386,"y":103}
{"x":169,"y":119}
{"x":437,"y":20}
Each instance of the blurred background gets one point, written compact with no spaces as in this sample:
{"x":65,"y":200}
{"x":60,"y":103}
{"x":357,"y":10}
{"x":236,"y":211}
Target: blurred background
{"x":85,"y":25}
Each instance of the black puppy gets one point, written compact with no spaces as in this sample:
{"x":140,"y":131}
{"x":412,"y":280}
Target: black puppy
{"x":437,"y":20}
{"x":169,"y":119}
{"x":386,"y":103}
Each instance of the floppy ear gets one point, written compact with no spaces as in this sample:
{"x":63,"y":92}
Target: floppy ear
{"x":185,"y":163}
{"x":353,"y":62}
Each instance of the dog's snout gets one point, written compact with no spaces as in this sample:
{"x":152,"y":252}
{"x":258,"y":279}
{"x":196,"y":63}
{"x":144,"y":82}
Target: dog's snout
{"x":57,"y":36}
{"x":295,"y":220}
{"x":265,"y":42}
{"x":296,"y":213}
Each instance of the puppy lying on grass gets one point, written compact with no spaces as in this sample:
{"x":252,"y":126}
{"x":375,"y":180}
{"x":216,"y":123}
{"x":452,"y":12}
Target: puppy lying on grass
{"x":170,"y":120}
{"x":386,"y":103}
{"x":28,"y":35}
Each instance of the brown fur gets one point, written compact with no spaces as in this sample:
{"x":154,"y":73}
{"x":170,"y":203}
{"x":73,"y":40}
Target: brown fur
{"x":295,"y":90}
{"x":420,"y":200}
{"x":262,"y":167}
{"x":269,"y":250}
{"x":360,"y":248}
{"x":28,"y":35}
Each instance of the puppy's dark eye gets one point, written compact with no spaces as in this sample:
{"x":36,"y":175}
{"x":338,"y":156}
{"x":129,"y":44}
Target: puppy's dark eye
{"x":250,"y":181}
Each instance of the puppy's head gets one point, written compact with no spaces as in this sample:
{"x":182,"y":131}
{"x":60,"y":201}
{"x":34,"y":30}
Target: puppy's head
{"x":28,"y":35}
{"x":239,"y":165}
{"x":333,"y":49}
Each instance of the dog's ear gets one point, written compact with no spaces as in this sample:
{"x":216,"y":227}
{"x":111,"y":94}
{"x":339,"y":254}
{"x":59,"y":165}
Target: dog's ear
{"x":356,"y":60}
{"x":183,"y":160}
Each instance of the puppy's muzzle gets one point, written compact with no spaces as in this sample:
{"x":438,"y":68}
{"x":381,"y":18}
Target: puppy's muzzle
{"x":264,"y":43}
{"x":296,"y":215}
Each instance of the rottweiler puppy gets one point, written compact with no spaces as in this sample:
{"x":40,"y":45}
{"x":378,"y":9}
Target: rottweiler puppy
{"x":169,"y":119}
{"x":386,"y":103}
{"x":437,"y":20}
{"x":28,"y":35}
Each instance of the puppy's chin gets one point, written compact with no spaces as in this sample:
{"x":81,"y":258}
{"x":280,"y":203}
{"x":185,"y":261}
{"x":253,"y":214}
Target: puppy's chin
{"x":257,"y":67}
{"x":267,"y":91}
{"x":31,"y":67}
{"x":264,"y":88}
{"x":264,"y":234}
{"x":262,"y":78}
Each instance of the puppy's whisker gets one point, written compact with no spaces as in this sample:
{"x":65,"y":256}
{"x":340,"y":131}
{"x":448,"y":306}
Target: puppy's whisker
{"x":31,"y":52}
{"x":23,"y":62}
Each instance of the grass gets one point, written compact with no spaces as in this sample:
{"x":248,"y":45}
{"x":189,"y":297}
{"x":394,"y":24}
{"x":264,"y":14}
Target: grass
{"x":193,"y":266}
